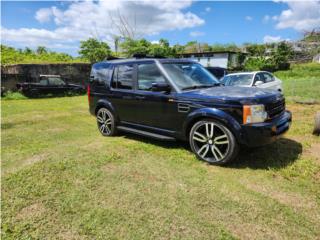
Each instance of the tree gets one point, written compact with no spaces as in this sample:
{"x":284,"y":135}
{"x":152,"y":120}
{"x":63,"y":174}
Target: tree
{"x":41,"y":50}
{"x":28,"y":50}
{"x":130,"y":47}
{"x":94,"y":50}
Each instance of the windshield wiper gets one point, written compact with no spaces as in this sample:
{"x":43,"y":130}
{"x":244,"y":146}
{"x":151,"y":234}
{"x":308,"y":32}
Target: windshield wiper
{"x":201,"y":86}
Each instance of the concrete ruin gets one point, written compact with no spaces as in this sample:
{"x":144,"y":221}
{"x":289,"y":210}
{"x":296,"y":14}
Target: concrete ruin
{"x":71,"y":72}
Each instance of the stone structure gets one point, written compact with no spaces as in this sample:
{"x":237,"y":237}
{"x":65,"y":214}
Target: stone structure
{"x":71,"y":72}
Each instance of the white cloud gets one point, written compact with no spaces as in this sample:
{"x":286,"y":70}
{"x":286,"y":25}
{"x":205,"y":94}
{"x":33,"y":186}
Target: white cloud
{"x":273,"y":39}
{"x":248,"y":18}
{"x":44,"y":15}
{"x":84,"y":19}
{"x":301,"y":15}
{"x":197,"y":34}
{"x":208,"y":9}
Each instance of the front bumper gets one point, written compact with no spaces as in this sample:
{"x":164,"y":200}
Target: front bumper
{"x":259,"y":134}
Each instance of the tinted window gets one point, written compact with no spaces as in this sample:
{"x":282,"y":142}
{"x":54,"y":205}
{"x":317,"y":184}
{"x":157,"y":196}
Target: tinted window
{"x":148,"y":74}
{"x":55,"y":81}
{"x":100,"y":73}
{"x":122,"y":77}
{"x":268,"y":77}
{"x":43,"y":82}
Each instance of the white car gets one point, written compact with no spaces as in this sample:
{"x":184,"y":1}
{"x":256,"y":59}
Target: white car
{"x":260,"y":79}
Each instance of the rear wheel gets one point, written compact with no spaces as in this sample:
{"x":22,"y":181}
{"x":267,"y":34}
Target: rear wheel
{"x":106,"y":122}
{"x":213,"y":142}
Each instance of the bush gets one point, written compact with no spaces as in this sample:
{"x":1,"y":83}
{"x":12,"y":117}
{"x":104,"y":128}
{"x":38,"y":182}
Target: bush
{"x":9,"y":95}
{"x":260,"y":63}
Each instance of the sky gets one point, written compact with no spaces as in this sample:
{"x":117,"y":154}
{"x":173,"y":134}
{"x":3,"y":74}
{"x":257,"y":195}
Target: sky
{"x":61,"y":25}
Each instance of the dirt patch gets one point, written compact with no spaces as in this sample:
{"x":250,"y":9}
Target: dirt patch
{"x":290,"y":199}
{"x":35,"y":158}
{"x":68,"y":235}
{"x":314,"y":151}
{"x":35,"y":210}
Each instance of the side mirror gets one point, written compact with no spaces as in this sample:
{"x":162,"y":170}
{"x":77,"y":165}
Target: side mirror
{"x":258,"y":83}
{"x":161,"y":87}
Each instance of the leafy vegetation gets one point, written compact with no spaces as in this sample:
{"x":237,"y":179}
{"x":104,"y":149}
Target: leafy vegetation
{"x":10,"y":55}
{"x":9,"y":95}
{"x":277,"y":59}
{"x":94,"y":50}
{"x":76,"y":184}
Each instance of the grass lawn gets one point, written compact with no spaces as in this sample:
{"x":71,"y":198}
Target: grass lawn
{"x":62,"y":180}
{"x":302,"y":81}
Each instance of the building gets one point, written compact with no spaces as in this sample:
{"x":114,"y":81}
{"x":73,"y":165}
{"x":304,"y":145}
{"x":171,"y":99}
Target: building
{"x":224,"y":59}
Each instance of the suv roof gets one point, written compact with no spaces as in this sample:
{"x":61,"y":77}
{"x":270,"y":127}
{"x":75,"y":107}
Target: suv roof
{"x":162,"y":60}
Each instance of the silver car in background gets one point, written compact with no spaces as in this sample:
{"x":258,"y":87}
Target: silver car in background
{"x":260,"y":79}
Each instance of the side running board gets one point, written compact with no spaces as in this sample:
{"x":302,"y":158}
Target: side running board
{"x":145,"y":133}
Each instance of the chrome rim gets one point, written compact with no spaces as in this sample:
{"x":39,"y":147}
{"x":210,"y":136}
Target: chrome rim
{"x":104,"y":119}
{"x":211,"y":142}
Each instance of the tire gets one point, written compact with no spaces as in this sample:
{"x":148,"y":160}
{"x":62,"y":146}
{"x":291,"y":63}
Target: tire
{"x":106,"y":122}
{"x":213,"y":142}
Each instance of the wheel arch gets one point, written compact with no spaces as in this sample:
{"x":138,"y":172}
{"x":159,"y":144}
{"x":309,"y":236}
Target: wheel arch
{"x":108,"y":105}
{"x":214,"y":114}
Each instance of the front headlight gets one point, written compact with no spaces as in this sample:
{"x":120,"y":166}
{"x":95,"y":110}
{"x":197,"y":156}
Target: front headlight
{"x":254,"y":114}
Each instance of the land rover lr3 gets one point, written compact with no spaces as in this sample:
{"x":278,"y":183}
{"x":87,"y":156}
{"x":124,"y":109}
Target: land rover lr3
{"x":172,"y":99}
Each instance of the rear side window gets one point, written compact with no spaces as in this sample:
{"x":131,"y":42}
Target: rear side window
{"x":122,"y":77}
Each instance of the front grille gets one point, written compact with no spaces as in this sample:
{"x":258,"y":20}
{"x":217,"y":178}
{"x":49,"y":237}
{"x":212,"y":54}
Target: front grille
{"x":275,"y":108}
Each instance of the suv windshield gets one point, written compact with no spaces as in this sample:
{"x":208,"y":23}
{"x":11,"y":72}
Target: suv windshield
{"x":238,"y":80}
{"x":190,"y":75}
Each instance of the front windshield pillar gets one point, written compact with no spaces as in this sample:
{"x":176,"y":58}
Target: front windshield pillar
{"x":164,"y":72}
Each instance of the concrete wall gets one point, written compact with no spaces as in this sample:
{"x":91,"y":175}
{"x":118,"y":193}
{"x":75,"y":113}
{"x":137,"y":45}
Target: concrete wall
{"x":72,"y":72}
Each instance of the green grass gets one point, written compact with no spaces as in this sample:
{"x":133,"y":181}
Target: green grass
{"x":62,"y":180}
{"x":302,"y":81}
{"x":13,"y":96}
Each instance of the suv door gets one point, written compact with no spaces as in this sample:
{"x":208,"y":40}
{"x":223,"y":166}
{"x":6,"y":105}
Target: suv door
{"x":154,"y":109}
{"x":122,"y":92}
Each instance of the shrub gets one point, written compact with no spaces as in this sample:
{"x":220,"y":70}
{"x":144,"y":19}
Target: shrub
{"x":260,"y":63}
{"x":9,"y":95}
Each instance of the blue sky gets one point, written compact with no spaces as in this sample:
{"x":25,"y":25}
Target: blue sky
{"x":61,"y":25}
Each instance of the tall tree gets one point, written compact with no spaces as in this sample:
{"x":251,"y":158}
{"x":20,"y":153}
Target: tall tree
{"x":94,"y":50}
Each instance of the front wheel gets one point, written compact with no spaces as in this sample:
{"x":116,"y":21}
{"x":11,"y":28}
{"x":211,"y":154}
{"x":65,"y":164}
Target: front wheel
{"x":213,"y":142}
{"x":106,"y":122}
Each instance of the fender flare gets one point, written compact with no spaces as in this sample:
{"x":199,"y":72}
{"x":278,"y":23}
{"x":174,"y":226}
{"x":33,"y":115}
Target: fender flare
{"x":215,"y":114}
{"x":105,"y":103}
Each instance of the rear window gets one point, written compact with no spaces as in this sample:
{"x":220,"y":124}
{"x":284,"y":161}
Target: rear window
{"x":122,"y":77}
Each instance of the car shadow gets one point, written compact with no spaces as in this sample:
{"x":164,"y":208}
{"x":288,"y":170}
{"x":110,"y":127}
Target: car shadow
{"x":277,"y":155}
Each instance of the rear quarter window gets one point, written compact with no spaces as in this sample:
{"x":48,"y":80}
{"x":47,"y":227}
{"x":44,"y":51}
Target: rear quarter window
{"x":123,"y":77}
{"x":101,"y":73}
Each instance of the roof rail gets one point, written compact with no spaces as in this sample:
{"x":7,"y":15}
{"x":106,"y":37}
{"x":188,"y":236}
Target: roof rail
{"x":142,"y":55}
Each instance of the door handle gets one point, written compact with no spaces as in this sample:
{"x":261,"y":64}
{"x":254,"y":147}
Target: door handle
{"x":140,"y":97}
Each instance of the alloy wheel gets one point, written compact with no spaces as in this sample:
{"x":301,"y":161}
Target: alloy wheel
{"x":105,"y":121}
{"x":210,"y":141}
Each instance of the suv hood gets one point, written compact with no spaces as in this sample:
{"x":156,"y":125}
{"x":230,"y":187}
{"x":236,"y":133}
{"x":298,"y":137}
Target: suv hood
{"x":241,"y":95}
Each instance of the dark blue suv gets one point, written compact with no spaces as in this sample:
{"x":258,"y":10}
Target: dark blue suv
{"x":172,"y":99}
